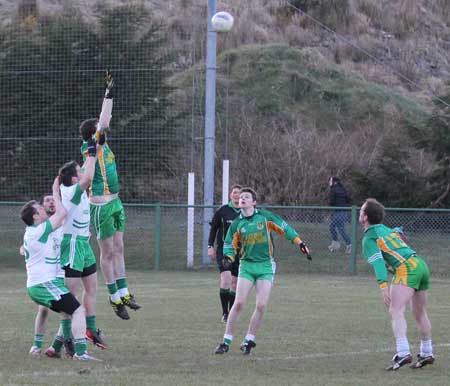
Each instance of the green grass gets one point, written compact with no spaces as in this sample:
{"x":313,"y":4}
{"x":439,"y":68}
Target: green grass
{"x":318,"y":330}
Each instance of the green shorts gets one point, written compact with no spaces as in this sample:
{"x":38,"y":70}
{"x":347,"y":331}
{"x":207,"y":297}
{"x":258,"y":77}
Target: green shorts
{"x":264,"y":270}
{"x":47,"y":292}
{"x":76,"y":253}
{"x":413,"y":273}
{"x":108,"y":219}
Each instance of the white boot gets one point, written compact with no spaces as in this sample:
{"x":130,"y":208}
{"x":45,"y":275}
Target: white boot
{"x":334,"y":246}
{"x":348,"y":249}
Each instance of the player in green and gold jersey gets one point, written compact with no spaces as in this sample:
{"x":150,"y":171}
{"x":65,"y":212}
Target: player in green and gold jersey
{"x":107,"y":212}
{"x":386,"y":251}
{"x":250,"y":235}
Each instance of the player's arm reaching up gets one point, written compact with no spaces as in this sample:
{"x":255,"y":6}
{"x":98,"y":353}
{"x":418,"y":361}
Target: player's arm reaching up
{"x":60,"y":213}
{"x":107,"y":105}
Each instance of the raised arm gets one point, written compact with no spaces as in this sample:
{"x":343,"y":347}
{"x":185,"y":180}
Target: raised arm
{"x":60,"y":213}
{"x":107,"y":105}
{"x":89,"y":166}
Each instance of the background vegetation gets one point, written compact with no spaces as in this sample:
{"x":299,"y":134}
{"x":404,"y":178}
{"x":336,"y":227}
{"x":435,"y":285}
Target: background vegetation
{"x":296,"y":102}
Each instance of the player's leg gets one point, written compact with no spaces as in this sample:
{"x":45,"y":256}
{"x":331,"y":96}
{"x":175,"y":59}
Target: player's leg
{"x":89,"y":280}
{"x":265,"y":273}
{"x":224,"y":284}
{"x":120,"y":273}
{"x":244,"y":286}
{"x":103,"y":222}
{"x":39,"y":330}
{"x":401,"y":295}
{"x":419,"y":311}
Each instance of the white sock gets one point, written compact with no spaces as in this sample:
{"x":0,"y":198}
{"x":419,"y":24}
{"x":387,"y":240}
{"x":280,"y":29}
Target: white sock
{"x":123,"y":292}
{"x":426,"y":348}
{"x":250,"y":337}
{"x":402,"y":347}
{"x":227,"y":338}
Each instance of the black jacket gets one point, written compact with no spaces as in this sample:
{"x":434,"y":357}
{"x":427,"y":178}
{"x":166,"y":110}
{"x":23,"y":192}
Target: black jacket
{"x":220,"y":223}
{"x":339,"y":196}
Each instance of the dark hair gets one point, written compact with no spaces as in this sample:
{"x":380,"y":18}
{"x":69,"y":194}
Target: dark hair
{"x":66,"y":172}
{"x":88,"y":128}
{"x":335,"y":180}
{"x":235,"y":186}
{"x":251,"y":191}
{"x":374,"y":211}
{"x":28,"y":211}
{"x":41,"y":200}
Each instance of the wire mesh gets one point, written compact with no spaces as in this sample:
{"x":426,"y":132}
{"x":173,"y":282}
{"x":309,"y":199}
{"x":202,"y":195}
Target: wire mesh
{"x":426,"y":231}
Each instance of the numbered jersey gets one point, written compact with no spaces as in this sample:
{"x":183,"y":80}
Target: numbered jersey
{"x":42,"y":258}
{"x":385,"y":250}
{"x":76,"y":203}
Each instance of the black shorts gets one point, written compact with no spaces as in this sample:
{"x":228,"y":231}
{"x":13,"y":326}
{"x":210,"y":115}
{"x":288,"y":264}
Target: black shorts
{"x":234,"y":269}
{"x":67,"y":304}
{"x":69,"y":272}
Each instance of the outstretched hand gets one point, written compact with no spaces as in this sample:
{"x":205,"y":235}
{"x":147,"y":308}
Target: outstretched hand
{"x":305,"y":250}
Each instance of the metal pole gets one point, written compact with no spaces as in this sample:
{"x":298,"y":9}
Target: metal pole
{"x":210,"y":125}
{"x":353,"y":240}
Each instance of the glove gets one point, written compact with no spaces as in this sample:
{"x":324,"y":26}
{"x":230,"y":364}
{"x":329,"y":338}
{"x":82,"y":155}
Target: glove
{"x":305,"y":250}
{"x":109,"y":82}
{"x":92,"y":147}
{"x":227,"y":262}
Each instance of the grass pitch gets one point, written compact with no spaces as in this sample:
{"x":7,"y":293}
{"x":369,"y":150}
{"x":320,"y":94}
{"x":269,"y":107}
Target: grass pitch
{"x":318,"y":330}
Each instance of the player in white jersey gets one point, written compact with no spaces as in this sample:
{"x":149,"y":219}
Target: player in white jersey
{"x":77,"y":257}
{"x":42,"y":266}
{"x":54,"y":351}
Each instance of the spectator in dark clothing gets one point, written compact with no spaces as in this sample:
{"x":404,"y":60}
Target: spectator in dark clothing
{"x":339,"y":197}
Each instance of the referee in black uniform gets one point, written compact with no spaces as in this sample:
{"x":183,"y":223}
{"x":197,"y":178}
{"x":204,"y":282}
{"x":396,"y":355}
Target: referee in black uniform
{"x":221,"y":220}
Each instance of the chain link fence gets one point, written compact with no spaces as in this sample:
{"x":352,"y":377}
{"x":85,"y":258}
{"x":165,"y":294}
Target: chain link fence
{"x":156,"y":238}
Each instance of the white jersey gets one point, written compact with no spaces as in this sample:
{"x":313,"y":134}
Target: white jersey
{"x":76,"y":203}
{"x":42,"y":256}
{"x":57,"y":238}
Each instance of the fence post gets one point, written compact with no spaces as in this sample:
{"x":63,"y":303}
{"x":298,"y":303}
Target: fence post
{"x":157,"y":235}
{"x":354,"y":224}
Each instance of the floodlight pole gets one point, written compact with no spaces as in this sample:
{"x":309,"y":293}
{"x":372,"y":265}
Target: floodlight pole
{"x":210,"y":128}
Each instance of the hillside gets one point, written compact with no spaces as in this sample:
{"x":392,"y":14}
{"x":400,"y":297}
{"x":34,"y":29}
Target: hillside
{"x":337,"y":90}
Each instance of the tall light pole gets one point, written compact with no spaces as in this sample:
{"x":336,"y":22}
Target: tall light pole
{"x":210,"y":128}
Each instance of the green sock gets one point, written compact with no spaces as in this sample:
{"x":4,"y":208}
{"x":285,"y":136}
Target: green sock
{"x":66,"y":327}
{"x":121,"y":283}
{"x":112,"y":288}
{"x":227,"y":341}
{"x":80,"y":346}
{"x":57,"y":343}
{"x":91,"y":323}
{"x":38,"y":338}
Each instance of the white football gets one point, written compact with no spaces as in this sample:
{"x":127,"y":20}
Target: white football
{"x":222,"y":22}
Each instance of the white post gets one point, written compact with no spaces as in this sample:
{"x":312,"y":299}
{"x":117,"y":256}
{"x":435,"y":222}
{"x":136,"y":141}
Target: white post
{"x":190,"y":220}
{"x":225,"y":181}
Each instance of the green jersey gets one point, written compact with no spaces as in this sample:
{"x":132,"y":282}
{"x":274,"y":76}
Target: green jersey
{"x":106,"y":180}
{"x":384,"y":250}
{"x":251,"y":236}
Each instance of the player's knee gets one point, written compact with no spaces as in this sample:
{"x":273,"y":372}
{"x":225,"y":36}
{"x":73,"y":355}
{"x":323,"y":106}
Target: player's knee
{"x":238,"y":305}
{"x":261,"y":307}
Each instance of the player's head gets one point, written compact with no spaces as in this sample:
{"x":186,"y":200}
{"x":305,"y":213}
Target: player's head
{"x":372,"y":212}
{"x":247,"y":198}
{"x":48,"y":203}
{"x":333,"y":181}
{"x":69,"y":173}
{"x":33,"y":213}
{"x":234,"y":194}
{"x":88,"y":128}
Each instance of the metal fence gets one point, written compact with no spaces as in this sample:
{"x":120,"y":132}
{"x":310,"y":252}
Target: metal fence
{"x":156,"y":238}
